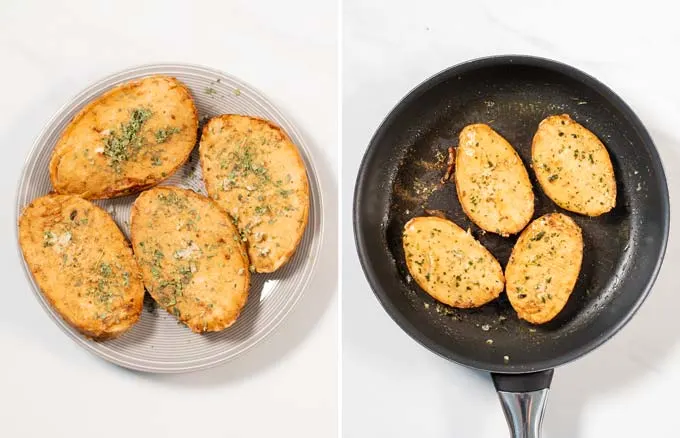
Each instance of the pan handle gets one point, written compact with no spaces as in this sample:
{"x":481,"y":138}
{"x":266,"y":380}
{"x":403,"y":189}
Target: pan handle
{"x":523,"y":397}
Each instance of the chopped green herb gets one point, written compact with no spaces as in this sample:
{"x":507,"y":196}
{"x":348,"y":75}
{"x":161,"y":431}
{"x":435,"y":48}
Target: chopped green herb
{"x":172,"y":198}
{"x":105,"y":270}
{"x":48,"y":238}
{"x":261,"y":209}
{"x":538,"y":236}
{"x":123,"y":145}
{"x":162,"y":135}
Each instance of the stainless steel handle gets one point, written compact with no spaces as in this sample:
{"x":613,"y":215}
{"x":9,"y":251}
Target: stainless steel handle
{"x":524,"y":412}
{"x":523,"y":397}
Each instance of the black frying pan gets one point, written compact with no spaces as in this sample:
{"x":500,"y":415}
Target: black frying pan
{"x":399,"y":179}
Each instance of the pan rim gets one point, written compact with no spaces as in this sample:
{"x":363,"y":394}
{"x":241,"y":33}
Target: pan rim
{"x":424,"y":86}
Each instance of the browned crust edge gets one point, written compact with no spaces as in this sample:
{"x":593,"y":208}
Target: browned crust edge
{"x":135,"y":212}
{"x":503,"y":232}
{"x":286,"y":256}
{"x":96,"y":336}
{"x":529,"y":317}
{"x":449,"y":222}
{"x":135,"y":185}
{"x":541,"y":183}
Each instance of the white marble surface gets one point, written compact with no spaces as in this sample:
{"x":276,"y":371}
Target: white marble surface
{"x":392,"y":387}
{"x":286,"y":386}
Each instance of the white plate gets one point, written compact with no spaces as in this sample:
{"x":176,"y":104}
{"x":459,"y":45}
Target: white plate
{"x":157,"y":343}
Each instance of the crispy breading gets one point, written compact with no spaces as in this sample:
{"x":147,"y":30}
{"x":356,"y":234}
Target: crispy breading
{"x":128,"y":139}
{"x":573,"y":166}
{"x":449,"y":264}
{"x":253,"y":170}
{"x":83,"y":264}
{"x":492,"y":183}
{"x":544,"y":266}
{"x":191,"y":256}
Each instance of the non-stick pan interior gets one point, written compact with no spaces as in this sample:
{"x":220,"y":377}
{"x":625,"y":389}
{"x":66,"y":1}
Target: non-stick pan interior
{"x":400,"y":179}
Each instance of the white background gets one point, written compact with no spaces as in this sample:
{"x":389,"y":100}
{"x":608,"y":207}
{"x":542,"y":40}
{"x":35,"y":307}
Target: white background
{"x":284,"y":387}
{"x":392,"y":387}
